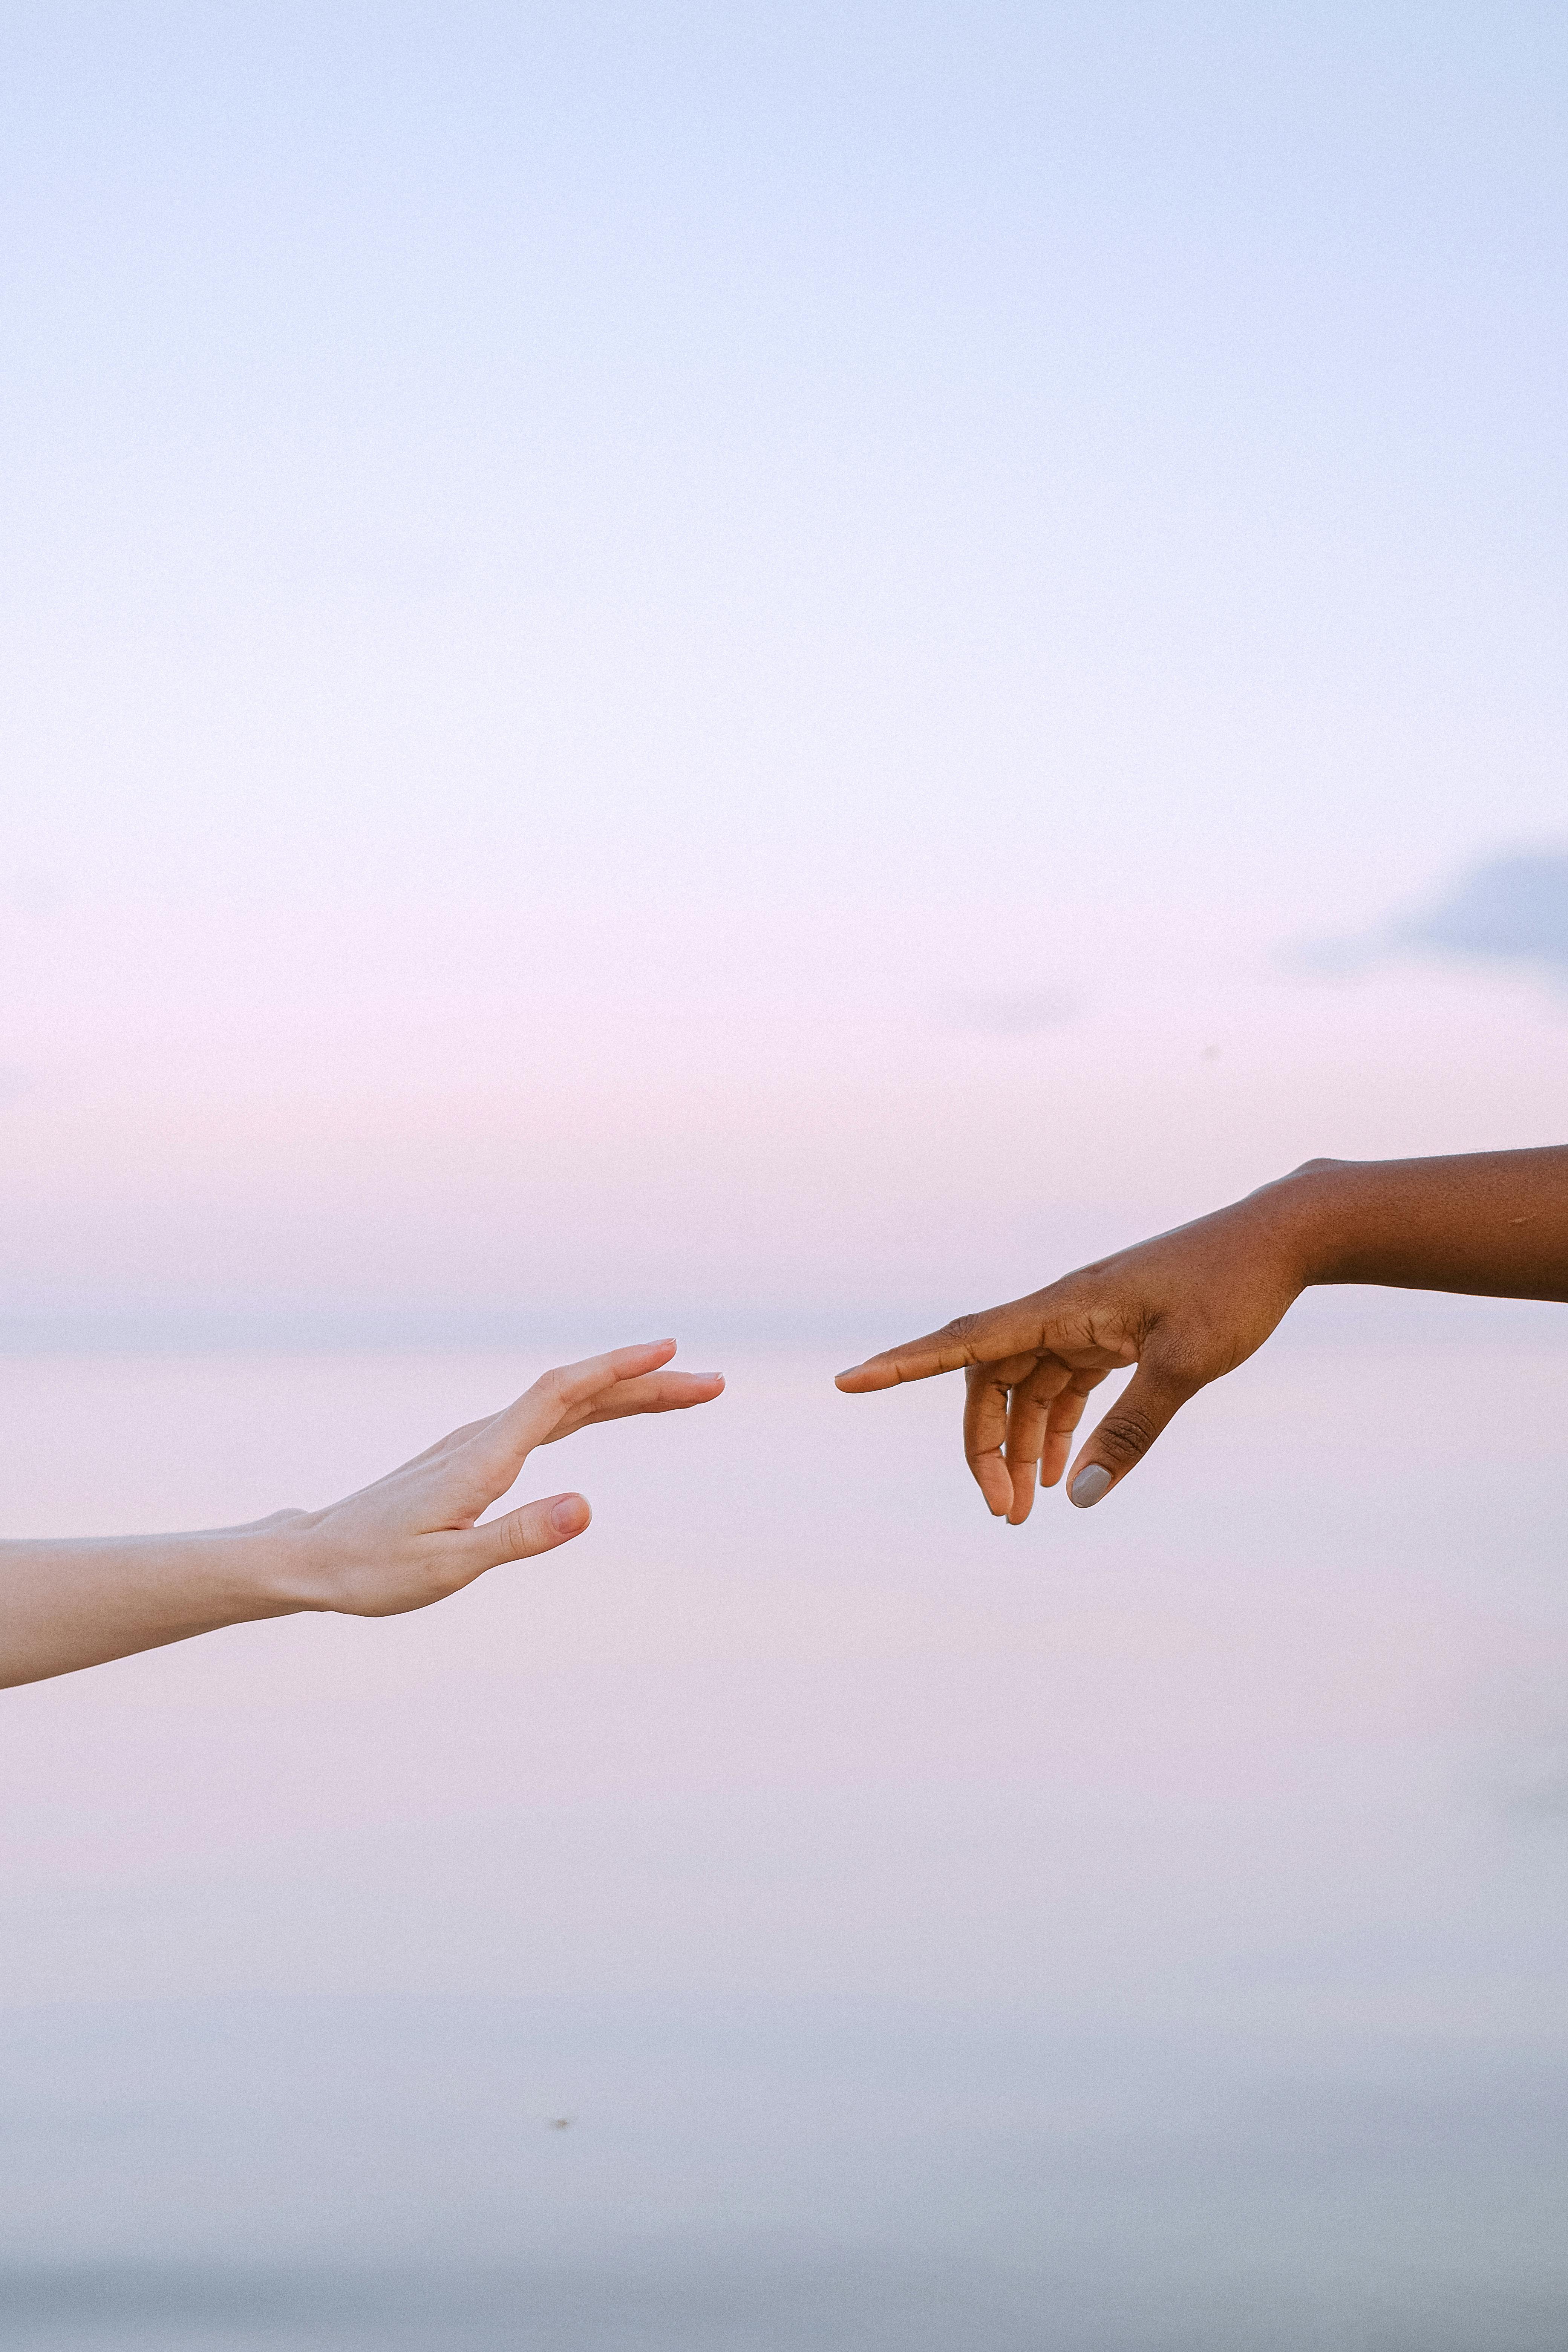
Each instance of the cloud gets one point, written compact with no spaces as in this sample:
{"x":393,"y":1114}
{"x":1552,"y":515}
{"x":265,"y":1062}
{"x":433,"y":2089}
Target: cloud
{"x":1508,"y":910}
{"x":1511,"y":910}
{"x":1021,"y":1013}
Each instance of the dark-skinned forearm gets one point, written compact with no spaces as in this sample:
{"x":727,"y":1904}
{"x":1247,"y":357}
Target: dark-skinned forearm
{"x":1494,"y":1223}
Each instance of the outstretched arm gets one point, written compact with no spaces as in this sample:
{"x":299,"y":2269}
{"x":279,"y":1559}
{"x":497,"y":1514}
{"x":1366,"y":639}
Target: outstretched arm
{"x":1193,"y":1304}
{"x":411,"y":1538}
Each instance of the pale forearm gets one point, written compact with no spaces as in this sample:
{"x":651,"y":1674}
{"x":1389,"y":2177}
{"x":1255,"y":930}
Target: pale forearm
{"x":68,"y":1604}
{"x":1494,"y":1223}
{"x":413,"y":1537}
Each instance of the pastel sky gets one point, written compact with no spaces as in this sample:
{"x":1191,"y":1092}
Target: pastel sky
{"x":669,"y":661}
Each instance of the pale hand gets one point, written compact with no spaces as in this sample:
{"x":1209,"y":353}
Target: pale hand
{"x":412,"y":1537}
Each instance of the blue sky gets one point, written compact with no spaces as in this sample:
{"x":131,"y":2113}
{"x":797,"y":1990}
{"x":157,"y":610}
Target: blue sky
{"x":601,"y":600}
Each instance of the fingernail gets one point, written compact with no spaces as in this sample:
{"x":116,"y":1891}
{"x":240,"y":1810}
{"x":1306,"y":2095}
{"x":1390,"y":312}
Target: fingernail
{"x":1088,"y":1486}
{"x":570,"y":1516}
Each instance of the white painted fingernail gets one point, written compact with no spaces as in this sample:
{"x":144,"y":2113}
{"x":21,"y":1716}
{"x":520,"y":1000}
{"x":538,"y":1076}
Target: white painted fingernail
{"x":1088,"y":1486}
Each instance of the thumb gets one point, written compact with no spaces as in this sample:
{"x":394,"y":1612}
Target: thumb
{"x":531,"y":1527}
{"x":1155,"y":1395}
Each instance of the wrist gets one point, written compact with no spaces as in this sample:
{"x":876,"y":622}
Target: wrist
{"x":281,"y":1562}
{"x":1309,"y":1212}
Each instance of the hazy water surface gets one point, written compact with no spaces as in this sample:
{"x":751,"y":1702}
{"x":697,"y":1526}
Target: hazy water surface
{"x":1146,"y":1929}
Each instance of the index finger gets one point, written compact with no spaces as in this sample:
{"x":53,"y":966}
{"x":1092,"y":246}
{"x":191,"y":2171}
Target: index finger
{"x":540,"y":1410}
{"x":650,"y":1392}
{"x":1015,"y":1329}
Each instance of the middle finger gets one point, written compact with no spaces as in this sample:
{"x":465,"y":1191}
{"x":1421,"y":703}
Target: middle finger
{"x":1028,"y":1412}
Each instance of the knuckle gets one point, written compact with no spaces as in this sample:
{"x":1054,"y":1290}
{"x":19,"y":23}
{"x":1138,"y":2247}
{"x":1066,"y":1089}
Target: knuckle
{"x":979,"y":1338}
{"x":1126,"y":1435}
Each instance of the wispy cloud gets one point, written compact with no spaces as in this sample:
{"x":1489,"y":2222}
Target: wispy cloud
{"x":1018,"y":1012}
{"x":1511,"y":910}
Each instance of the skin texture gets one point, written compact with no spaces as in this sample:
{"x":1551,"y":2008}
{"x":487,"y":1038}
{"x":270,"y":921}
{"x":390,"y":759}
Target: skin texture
{"x":1189,"y":1306}
{"x":413,"y":1537}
